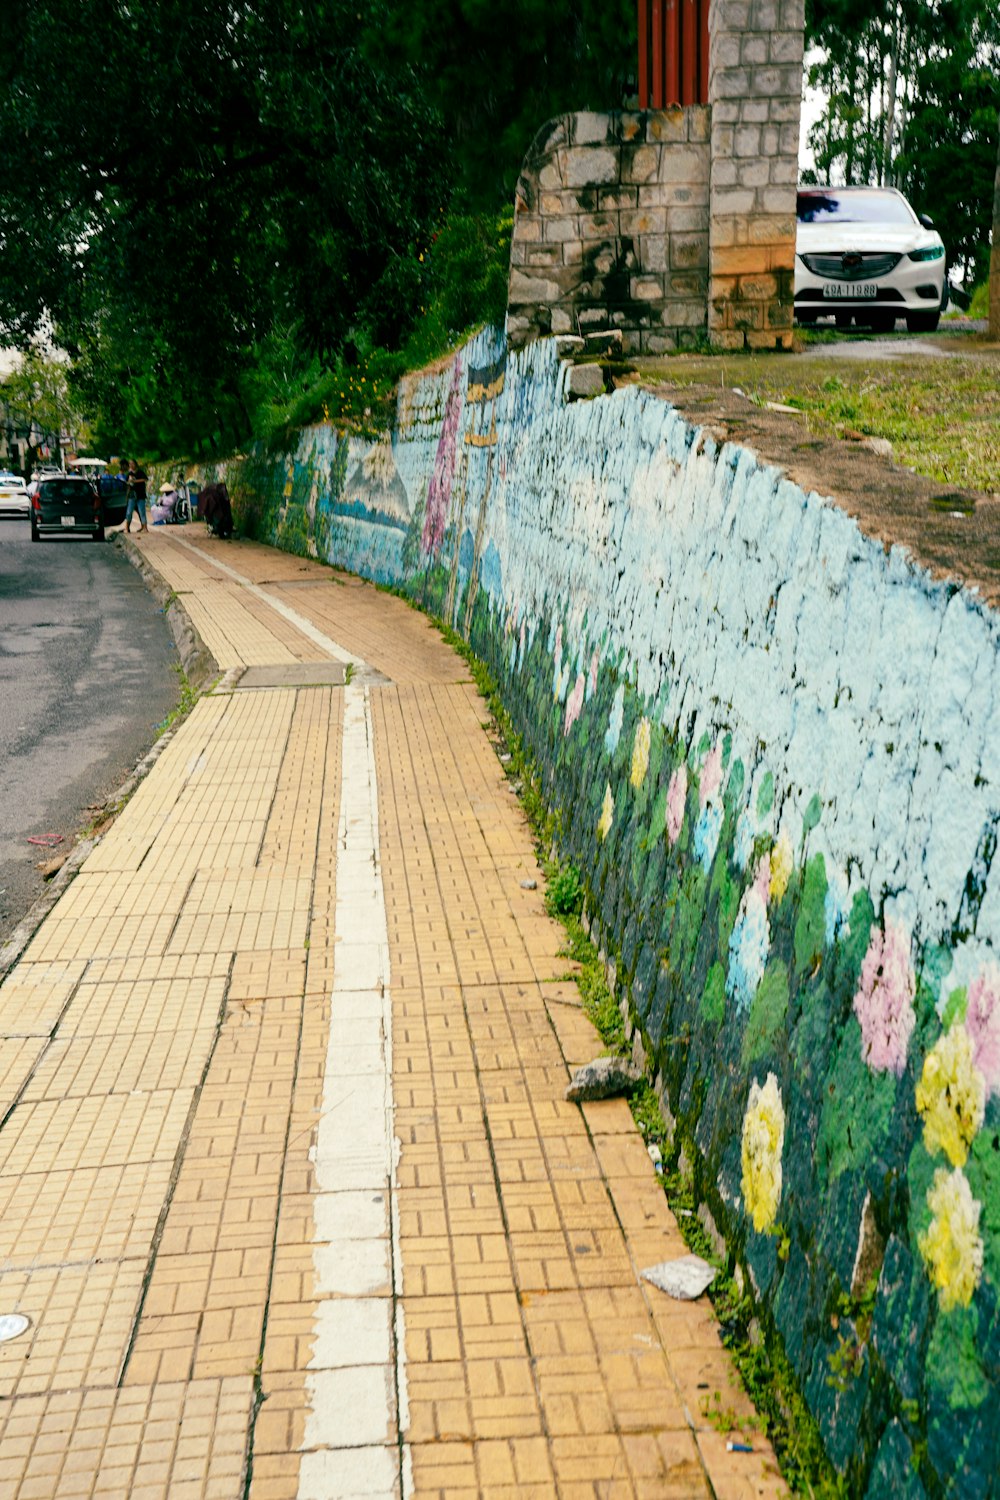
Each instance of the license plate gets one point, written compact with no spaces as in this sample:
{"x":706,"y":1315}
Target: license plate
{"x":68,"y":520}
{"x":849,"y":291}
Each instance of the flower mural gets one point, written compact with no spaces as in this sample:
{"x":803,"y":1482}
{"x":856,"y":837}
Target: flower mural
{"x":595,"y":662}
{"x":615,"y":720}
{"x":952,"y":1247}
{"x":640,"y":754}
{"x":982,"y":1017}
{"x":762,"y":1147}
{"x":835,"y":905}
{"x":607,"y":817}
{"x":442,"y":476}
{"x":780,"y":867}
{"x":710,"y":777}
{"x":676,"y":798}
{"x":951,"y":1096}
{"x":749,"y":947}
{"x":706,"y":833}
{"x":883,"y":1003}
{"x":574,"y":704}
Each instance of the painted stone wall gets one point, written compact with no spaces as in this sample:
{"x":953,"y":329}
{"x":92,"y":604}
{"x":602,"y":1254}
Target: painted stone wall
{"x":776,"y":749}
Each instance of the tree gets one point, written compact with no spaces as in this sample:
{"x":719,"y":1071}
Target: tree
{"x":497,"y":72}
{"x":181,"y":183}
{"x":912,"y":97}
{"x":38,"y":406}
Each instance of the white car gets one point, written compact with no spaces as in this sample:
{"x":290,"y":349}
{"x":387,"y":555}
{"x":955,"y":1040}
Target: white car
{"x":14,"y":497}
{"x":862,"y":254}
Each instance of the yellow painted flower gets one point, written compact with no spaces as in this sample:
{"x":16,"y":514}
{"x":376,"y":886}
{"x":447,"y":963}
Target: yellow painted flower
{"x":607,"y":814}
{"x":951,"y":1096}
{"x":640,"y":754}
{"x":781,"y":867}
{"x":952,"y":1246}
{"x":763,"y":1143}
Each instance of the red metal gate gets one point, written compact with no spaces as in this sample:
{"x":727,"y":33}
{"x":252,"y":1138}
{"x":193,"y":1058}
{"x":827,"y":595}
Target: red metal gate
{"x":673,"y":52}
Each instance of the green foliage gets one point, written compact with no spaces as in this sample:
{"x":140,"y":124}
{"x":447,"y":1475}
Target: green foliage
{"x":189,"y":696}
{"x":912,"y":94}
{"x":37,"y":402}
{"x":498,"y":72}
{"x":563,"y":892}
{"x":230,"y":187}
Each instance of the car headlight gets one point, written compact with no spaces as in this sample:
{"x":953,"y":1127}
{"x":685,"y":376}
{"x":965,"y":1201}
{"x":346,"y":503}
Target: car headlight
{"x":932,"y":252}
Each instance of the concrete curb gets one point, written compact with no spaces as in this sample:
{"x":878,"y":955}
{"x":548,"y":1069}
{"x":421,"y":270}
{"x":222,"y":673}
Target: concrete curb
{"x":200,"y":666}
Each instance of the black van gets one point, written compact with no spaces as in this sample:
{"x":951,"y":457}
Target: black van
{"x":66,"y":505}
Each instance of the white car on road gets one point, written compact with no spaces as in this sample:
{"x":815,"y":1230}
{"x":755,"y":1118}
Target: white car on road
{"x":14,"y":497}
{"x":862,"y":254}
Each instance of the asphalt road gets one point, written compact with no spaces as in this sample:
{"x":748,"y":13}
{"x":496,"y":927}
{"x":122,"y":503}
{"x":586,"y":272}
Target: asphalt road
{"x":85,"y":676}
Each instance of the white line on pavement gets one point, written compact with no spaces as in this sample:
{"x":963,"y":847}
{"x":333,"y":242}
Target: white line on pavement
{"x":291,"y":615}
{"x":357,"y":1382}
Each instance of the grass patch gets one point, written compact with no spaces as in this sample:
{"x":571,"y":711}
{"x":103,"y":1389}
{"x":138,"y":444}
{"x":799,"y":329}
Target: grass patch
{"x":942,"y":415}
{"x":189,"y":696}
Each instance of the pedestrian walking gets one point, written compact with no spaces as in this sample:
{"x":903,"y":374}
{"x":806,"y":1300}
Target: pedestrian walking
{"x":136,"y":486}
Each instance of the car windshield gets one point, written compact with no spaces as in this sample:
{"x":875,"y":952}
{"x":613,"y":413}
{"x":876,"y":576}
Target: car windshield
{"x":65,"y":489}
{"x":833,"y":207}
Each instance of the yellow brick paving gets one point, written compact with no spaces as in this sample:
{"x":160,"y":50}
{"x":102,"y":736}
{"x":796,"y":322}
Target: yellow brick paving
{"x":162,"y":1049}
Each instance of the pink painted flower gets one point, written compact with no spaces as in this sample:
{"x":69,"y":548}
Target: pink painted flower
{"x":884,"y":1001}
{"x":439,"y":489}
{"x":710,"y":778}
{"x":982,"y":1021}
{"x":574,"y":703}
{"x":761,"y":882}
{"x":676,"y":798}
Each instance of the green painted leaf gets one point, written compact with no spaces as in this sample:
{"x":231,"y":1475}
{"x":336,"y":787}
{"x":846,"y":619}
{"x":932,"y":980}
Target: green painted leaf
{"x":713,"y":1000}
{"x":858,"y":1107}
{"x":953,"y":1364}
{"x":767,"y":1013}
{"x":812,"y":814}
{"x":810,"y":928}
{"x":765,"y":797}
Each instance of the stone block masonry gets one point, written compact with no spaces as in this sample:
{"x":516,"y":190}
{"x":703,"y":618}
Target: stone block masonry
{"x":672,"y":224}
{"x":755,"y":84}
{"x":611,"y":229}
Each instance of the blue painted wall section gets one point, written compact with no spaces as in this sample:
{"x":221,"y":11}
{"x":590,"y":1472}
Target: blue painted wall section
{"x":776,"y":752}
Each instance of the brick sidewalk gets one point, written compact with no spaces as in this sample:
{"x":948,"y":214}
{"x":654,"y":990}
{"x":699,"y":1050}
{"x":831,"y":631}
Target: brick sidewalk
{"x":288,"y":1187}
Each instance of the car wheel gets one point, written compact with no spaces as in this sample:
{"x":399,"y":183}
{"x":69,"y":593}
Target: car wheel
{"x":923,"y":322}
{"x":806,"y":317}
{"x":34,"y":533}
{"x":843,"y":319}
{"x":99,"y":534}
{"x":881,"y":322}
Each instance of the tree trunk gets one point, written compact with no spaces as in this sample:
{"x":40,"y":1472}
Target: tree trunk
{"x":995,"y":257}
{"x":890,"y":105}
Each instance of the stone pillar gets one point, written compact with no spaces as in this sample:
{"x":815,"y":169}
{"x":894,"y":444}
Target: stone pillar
{"x":755,"y":90}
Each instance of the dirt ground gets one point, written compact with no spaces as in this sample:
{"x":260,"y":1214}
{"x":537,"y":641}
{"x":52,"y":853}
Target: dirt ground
{"x":954,"y":530}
